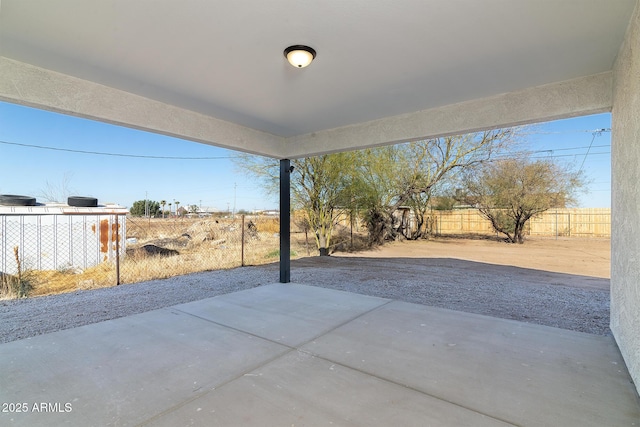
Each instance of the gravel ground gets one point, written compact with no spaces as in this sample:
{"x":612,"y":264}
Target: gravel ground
{"x":578,"y":303}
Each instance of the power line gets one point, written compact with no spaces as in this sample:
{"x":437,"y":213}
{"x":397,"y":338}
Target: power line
{"x":569,"y":131}
{"x":548,"y":150}
{"x":570,"y":155}
{"x":521,"y":154}
{"x":99,"y":153}
{"x":515,"y":153}
{"x":506,"y":157}
{"x":572,"y":148}
{"x":595,"y":133}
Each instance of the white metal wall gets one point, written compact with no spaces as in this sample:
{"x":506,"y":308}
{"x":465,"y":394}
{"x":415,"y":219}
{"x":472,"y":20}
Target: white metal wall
{"x":55,"y":242}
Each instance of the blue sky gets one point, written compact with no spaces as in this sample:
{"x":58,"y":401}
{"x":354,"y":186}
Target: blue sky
{"x":212,"y":183}
{"x":574,"y":142}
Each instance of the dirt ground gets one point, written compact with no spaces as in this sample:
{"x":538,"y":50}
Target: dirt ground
{"x":557,"y":283}
{"x":583,"y":257}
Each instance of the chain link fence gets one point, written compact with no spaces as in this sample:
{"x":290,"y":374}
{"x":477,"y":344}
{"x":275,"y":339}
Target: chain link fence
{"x":51,"y":254}
{"x":158,"y":247}
{"x":48,"y":254}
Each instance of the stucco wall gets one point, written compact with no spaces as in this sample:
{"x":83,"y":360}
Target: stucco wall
{"x":40,"y":88}
{"x":625,"y":241}
{"x":577,"y":97}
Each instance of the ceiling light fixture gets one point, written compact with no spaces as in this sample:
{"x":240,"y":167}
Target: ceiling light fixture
{"x":299,"y":56}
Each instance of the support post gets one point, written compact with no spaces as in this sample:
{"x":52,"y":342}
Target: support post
{"x":285,"y":220}
{"x":242,"y":236}
{"x":117,"y":251}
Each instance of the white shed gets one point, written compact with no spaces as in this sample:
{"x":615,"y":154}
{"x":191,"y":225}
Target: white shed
{"x":59,"y":236}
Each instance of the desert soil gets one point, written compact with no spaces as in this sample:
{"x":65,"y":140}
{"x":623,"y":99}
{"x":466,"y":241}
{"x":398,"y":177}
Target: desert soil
{"x":581,"y":257}
{"x":559,"y":283}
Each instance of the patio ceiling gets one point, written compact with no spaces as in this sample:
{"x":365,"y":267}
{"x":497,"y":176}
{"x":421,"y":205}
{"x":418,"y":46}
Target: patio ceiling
{"x":220,"y":64}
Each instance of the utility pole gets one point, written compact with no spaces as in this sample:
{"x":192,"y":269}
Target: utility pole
{"x":235,"y":186}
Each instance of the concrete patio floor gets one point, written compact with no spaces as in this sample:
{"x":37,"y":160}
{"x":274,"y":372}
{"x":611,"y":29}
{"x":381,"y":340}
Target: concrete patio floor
{"x":293,"y":355}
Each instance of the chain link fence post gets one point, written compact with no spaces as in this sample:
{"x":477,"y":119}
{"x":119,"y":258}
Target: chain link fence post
{"x":242,"y":244}
{"x":117,"y":251}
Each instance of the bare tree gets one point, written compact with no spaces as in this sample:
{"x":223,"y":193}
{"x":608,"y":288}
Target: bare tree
{"x":58,"y":192}
{"x":378,"y":181}
{"x":404,"y":175}
{"x":510,"y":192}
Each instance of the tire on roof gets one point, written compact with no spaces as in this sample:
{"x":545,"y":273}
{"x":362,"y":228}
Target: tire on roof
{"x":82,"y":202}
{"x":15,"y":200}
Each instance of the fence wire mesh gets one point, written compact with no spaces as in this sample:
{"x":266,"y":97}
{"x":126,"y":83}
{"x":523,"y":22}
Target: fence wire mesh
{"x":46,"y":255}
{"x":168,"y":247}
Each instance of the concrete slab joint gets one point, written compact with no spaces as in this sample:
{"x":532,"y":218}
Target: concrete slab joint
{"x":287,"y":354}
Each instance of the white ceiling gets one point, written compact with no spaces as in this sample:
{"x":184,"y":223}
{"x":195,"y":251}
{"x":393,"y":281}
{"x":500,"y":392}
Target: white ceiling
{"x":376,"y":58}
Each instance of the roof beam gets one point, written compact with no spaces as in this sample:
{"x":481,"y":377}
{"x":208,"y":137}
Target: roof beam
{"x":577,"y":97}
{"x":41,"y":88}
{"x":32,"y":86}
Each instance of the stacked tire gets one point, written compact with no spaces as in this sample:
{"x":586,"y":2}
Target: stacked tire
{"x":82,"y":202}
{"x":15,"y":200}
{"x":75,"y":201}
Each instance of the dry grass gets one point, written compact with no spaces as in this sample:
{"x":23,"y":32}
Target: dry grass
{"x":50,"y":282}
{"x":202,"y":245}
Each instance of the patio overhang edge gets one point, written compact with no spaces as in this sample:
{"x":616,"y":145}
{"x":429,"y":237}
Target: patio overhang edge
{"x":577,"y":97}
{"x":32,"y":86}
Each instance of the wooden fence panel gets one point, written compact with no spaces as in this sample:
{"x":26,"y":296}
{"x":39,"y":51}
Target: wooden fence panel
{"x":566,"y":222}
{"x":577,"y":222}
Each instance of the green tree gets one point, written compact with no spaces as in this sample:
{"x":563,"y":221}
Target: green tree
{"x":141,"y":207}
{"x":319,"y":187}
{"x":193,"y":209}
{"x":443,"y":202}
{"x":377,"y":181}
{"x":406,"y":174}
{"x":163,"y":203}
{"x":510,"y":192}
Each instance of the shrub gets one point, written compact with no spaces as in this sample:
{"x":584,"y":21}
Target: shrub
{"x":19,"y":285}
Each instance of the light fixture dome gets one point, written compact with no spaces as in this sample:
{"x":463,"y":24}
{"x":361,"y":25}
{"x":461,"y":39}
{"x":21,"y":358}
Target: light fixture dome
{"x":299,"y":56}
